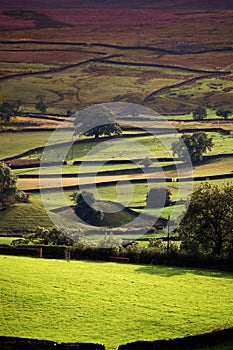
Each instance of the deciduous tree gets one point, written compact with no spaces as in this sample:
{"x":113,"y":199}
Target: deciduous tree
{"x":208,"y":223}
{"x":84,"y":209}
{"x":9,"y":109}
{"x":224,"y":112}
{"x":40,"y":105}
{"x":159,"y":197}
{"x":96,"y":121}
{"x":199,"y":113}
{"x":7,"y":186}
{"x":195,"y":144}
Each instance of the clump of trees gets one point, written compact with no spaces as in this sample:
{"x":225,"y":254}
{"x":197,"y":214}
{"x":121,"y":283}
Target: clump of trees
{"x":195,"y":145}
{"x":9,"y":109}
{"x":224,"y":112}
{"x":207,"y":226}
{"x":96,"y":121}
{"x":45,"y":236}
{"x":8,"y":187}
{"x":199,"y":113}
{"x":84,"y":208}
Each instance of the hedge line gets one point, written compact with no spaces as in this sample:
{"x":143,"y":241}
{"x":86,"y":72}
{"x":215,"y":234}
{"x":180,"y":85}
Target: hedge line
{"x":19,"y":251}
{"x":13,"y":343}
{"x":135,"y":254}
{"x":191,"y":342}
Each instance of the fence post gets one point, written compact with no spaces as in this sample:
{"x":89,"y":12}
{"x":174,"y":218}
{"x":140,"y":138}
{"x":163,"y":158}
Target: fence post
{"x":67,"y":255}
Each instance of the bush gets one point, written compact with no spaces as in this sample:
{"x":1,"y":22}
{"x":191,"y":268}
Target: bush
{"x":22,"y":197}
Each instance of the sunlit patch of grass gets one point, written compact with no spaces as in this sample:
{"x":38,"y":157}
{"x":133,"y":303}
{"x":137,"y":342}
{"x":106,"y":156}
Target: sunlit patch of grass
{"x":110,"y":303}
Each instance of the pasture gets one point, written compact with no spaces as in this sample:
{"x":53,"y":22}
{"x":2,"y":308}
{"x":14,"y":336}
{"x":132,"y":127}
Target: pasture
{"x":20,"y":216}
{"x":13,"y":144}
{"x":24,"y":217}
{"x":87,"y":301}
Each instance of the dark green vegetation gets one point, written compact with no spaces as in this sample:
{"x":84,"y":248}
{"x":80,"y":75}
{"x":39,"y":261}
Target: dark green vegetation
{"x":7,"y":187}
{"x":8,"y":109}
{"x":91,"y":299}
{"x":194,"y":145}
{"x":199,"y":113}
{"x":96,"y":121}
{"x":84,"y":208}
{"x":207,"y":224}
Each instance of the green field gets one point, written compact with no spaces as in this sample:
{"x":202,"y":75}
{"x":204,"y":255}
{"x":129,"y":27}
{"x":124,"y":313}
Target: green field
{"x":43,"y":298}
{"x":91,"y":83}
{"x":24,"y":217}
{"x":13,"y":144}
{"x":7,"y":240}
{"x":28,"y":216}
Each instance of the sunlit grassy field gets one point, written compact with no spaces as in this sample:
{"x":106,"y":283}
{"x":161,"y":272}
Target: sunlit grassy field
{"x":24,"y":217}
{"x":110,"y":303}
{"x":12,"y":144}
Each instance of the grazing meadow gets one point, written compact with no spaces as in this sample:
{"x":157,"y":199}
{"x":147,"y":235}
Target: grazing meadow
{"x":110,"y":303}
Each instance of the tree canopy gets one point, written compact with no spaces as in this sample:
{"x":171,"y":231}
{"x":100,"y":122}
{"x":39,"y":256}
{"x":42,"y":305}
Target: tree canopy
{"x":207,"y":226}
{"x":40,"y":105}
{"x":9,"y":109}
{"x":195,"y":144}
{"x":199,"y":113}
{"x":96,"y":121}
{"x":84,"y":209}
{"x":224,"y":112}
{"x":7,"y":186}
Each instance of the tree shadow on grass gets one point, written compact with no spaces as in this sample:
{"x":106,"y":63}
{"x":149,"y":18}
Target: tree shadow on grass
{"x":168,"y":271}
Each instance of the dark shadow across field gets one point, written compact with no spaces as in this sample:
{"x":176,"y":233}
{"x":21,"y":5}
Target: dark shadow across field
{"x":165,"y":271}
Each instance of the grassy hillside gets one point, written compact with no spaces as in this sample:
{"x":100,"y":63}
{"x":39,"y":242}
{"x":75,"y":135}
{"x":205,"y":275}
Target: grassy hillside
{"x":24,"y":217}
{"x":43,"y":298}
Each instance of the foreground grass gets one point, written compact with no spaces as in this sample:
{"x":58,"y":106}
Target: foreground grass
{"x":110,"y":303}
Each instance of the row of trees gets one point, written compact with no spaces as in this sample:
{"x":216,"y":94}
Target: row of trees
{"x":207,"y":226}
{"x":99,"y":121}
{"x":200,"y":112}
{"x":12,"y":108}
